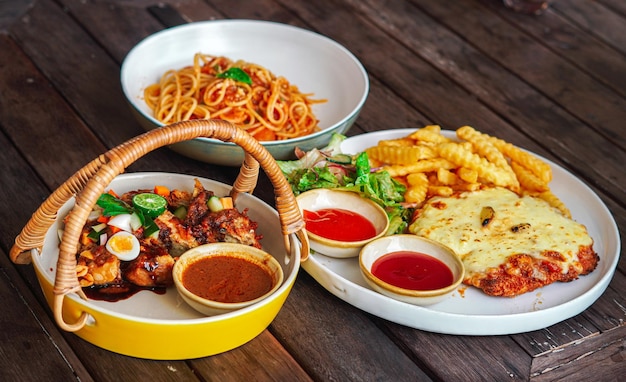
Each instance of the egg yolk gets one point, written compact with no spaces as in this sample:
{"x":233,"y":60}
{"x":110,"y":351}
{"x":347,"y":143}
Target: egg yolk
{"x":121,"y":244}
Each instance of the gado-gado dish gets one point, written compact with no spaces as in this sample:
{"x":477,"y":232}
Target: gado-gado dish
{"x":132,"y":241}
{"x":153,"y":316}
{"x":481,"y":196}
{"x":247,"y":94}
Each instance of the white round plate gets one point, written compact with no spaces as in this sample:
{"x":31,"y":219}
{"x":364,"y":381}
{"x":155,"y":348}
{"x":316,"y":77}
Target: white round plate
{"x":468,"y":311}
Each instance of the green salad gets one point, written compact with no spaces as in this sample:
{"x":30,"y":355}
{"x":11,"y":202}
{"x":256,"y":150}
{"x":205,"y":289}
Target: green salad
{"x":330,"y":168}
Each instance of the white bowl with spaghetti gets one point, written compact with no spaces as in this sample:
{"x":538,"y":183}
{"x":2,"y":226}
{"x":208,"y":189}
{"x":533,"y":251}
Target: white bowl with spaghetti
{"x":319,"y":67}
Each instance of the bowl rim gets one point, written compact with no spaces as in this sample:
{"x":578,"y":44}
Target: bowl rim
{"x":355,"y":195}
{"x":211,"y":250}
{"x":412,"y":292}
{"x":272,"y":24}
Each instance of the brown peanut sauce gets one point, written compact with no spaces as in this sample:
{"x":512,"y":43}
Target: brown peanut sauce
{"x":227,"y":279}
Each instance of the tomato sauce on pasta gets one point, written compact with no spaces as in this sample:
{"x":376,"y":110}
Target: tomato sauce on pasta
{"x":266,"y":106}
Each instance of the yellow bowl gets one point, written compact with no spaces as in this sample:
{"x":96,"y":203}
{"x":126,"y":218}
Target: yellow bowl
{"x":322,"y":198}
{"x":253,"y":255}
{"x":412,"y":243}
{"x":137,"y":326}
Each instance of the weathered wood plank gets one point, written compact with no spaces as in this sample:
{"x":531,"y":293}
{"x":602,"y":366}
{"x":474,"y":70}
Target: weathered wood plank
{"x":26,"y":332}
{"x":577,"y":46}
{"x":26,"y":89}
{"x":464,"y":358}
{"x":600,"y":358}
{"x":262,"y":357}
{"x":596,"y":19}
{"x":330,"y":332}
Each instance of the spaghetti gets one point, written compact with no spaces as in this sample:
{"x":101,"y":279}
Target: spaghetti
{"x":248,"y":95}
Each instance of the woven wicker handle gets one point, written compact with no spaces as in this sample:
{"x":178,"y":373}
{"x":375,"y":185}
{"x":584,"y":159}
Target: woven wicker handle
{"x":89,"y":183}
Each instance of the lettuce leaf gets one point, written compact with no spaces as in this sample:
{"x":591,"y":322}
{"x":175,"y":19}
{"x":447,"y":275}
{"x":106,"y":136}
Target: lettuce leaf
{"x":318,"y":169}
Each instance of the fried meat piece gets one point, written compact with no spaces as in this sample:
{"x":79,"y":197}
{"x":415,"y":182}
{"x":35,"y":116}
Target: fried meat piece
{"x":96,"y":266}
{"x":198,"y":206}
{"x":152,"y":268}
{"x":228,"y":225}
{"x":524,"y":273}
{"x":174,"y":235}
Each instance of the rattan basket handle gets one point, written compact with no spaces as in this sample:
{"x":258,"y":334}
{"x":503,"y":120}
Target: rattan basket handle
{"x":89,"y":182}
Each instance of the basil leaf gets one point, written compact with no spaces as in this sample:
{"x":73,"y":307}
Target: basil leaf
{"x":112,"y":206}
{"x":236,"y":74}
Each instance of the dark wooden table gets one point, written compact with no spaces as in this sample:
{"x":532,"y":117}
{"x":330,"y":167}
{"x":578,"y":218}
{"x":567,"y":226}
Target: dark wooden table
{"x":554,"y":84}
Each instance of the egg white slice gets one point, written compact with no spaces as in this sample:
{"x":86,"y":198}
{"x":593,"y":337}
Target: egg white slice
{"x":124,"y":245}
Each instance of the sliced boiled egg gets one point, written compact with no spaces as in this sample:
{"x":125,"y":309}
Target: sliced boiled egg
{"x":124,"y":245}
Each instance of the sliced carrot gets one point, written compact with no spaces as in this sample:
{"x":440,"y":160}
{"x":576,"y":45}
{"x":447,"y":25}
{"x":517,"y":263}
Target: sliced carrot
{"x":162,"y":190}
{"x":227,"y":202}
{"x":103,"y":219}
{"x":113,"y":193}
{"x":114,"y":229}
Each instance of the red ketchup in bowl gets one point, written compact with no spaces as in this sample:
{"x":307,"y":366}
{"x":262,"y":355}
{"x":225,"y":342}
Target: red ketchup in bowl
{"x":339,"y":224}
{"x":412,"y":270}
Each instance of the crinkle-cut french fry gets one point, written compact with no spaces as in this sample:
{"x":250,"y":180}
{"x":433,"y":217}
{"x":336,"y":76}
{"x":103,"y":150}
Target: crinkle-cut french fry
{"x":541,"y":169}
{"x":429,"y":134}
{"x":490,"y":172}
{"x":440,"y":190}
{"x":433,"y":128}
{"x":483,"y":147}
{"x":424,"y":165}
{"x":417,"y":178}
{"x":375,"y":163}
{"x":555,"y":202}
{"x":446,"y":177}
{"x":417,"y":190}
{"x":468,"y":146}
{"x":538,"y":167}
{"x":467,"y":174}
{"x":527,"y":179}
{"x":403,"y":142}
{"x":416,"y":194}
{"x":466,"y":186}
{"x":400,"y":155}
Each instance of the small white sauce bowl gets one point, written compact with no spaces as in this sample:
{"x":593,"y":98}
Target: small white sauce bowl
{"x":380,"y":247}
{"x":241,"y":251}
{"x":318,"y":199}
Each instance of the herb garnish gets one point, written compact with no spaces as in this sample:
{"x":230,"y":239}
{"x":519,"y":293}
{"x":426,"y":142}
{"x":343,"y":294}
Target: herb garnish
{"x":112,"y":206}
{"x":236,"y":74}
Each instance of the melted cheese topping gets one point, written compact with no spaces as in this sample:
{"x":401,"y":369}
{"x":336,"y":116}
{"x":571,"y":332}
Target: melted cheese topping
{"x":519,"y":225}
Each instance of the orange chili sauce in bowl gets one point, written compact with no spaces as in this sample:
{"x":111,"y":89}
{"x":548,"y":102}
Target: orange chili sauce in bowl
{"x":219,"y":278}
{"x":227,"y":279}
